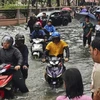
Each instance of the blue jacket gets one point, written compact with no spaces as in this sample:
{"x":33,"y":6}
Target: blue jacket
{"x":38,"y":34}
{"x":50,"y":28}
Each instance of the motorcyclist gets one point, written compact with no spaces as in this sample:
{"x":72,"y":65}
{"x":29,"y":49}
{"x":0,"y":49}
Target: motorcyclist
{"x":11,"y":55}
{"x":56,"y":47}
{"x":49,"y":27}
{"x":44,"y":19}
{"x":20,"y":45}
{"x":38,"y":32}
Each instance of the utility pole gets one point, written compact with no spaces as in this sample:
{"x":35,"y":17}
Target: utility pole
{"x":77,"y":2}
{"x":68,"y":2}
{"x":3,"y":3}
{"x":36,"y":9}
{"x":27,"y":11}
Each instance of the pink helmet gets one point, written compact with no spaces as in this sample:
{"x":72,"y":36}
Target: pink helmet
{"x":38,"y":23}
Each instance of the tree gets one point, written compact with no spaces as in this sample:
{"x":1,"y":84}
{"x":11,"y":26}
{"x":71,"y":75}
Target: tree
{"x":3,"y":2}
{"x":11,"y":1}
{"x":68,"y":2}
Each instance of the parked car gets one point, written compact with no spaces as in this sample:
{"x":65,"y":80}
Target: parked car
{"x":58,"y":17}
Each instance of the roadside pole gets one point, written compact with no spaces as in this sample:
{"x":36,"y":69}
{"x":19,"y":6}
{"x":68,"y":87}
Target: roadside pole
{"x":27,"y":11}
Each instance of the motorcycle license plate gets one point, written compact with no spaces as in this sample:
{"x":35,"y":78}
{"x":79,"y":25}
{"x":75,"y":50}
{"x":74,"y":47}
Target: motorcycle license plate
{"x":55,"y":68}
{"x":54,"y":82}
{"x":37,"y":47}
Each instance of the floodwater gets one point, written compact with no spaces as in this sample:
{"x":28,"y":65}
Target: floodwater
{"x":79,"y":58}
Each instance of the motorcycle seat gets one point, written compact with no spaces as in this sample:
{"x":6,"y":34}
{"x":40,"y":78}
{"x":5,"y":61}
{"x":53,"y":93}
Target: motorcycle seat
{"x":3,"y":77}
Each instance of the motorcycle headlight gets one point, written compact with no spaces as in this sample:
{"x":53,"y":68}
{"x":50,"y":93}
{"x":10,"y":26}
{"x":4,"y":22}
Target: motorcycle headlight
{"x":56,"y":62}
{"x":51,"y":63}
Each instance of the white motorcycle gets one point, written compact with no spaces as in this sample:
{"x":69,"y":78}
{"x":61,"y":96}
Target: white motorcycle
{"x":37,"y":47}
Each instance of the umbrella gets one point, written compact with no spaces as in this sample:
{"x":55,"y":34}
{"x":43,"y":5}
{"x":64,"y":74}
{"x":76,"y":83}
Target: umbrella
{"x":67,"y":8}
{"x":97,"y":1}
{"x":91,"y":17}
{"x":88,"y":14}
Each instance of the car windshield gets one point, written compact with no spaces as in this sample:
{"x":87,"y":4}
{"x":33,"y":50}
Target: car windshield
{"x":48,"y":13}
{"x":41,"y":13}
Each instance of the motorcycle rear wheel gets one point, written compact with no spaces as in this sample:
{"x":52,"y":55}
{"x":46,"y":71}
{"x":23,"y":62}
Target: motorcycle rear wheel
{"x":2,"y":94}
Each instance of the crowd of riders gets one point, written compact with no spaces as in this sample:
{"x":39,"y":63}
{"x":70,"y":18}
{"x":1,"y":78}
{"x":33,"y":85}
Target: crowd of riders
{"x":56,"y":47}
{"x":16,"y":53}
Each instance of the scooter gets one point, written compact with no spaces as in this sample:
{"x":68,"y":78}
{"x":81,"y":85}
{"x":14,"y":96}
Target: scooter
{"x":6,"y":87}
{"x":54,"y":71}
{"x":37,"y":47}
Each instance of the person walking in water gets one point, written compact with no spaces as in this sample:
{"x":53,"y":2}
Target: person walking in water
{"x":31,"y":23}
{"x":97,"y":29}
{"x":95,"y":53}
{"x":87,"y":31}
{"x":97,"y":94}
{"x":73,"y":86}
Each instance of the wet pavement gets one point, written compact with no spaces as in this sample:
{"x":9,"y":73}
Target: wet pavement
{"x":79,"y":58}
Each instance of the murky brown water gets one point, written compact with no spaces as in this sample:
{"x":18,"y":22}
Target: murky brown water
{"x":79,"y":58}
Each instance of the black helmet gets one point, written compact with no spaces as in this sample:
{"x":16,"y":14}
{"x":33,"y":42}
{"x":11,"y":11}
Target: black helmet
{"x":8,"y":39}
{"x":19,"y":39}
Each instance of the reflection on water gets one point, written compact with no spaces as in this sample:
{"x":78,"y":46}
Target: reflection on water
{"x":79,"y":58}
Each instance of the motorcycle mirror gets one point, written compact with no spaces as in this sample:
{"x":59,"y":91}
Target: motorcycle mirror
{"x":2,"y":71}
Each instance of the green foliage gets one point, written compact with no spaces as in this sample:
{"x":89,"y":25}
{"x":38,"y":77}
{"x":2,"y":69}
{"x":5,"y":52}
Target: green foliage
{"x":13,"y":6}
{"x":11,"y":1}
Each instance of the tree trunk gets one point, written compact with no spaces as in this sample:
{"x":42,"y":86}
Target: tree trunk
{"x":68,"y":2}
{"x":3,"y":2}
{"x":99,"y":2}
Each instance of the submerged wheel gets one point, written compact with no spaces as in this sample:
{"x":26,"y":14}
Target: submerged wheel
{"x":59,"y":82}
{"x":65,"y":22}
{"x":47,"y":78}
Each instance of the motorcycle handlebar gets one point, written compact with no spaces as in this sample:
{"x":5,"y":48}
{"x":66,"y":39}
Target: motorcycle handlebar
{"x":48,"y":59}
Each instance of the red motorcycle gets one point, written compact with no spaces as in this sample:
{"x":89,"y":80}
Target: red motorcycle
{"x":6,"y":86}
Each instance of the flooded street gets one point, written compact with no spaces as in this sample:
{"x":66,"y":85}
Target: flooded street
{"x":79,"y":58}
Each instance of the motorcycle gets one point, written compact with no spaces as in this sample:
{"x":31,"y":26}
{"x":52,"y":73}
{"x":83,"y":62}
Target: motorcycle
{"x":37,"y":47}
{"x":54,"y":71}
{"x":6,"y":86}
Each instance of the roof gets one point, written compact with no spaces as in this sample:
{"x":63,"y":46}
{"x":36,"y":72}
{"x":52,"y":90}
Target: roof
{"x":47,"y":12}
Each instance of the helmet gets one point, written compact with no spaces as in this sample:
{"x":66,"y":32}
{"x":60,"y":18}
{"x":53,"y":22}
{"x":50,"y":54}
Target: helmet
{"x":8,"y":39}
{"x":37,"y":25}
{"x":55,"y":35}
{"x":19,"y":39}
{"x":50,"y":20}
